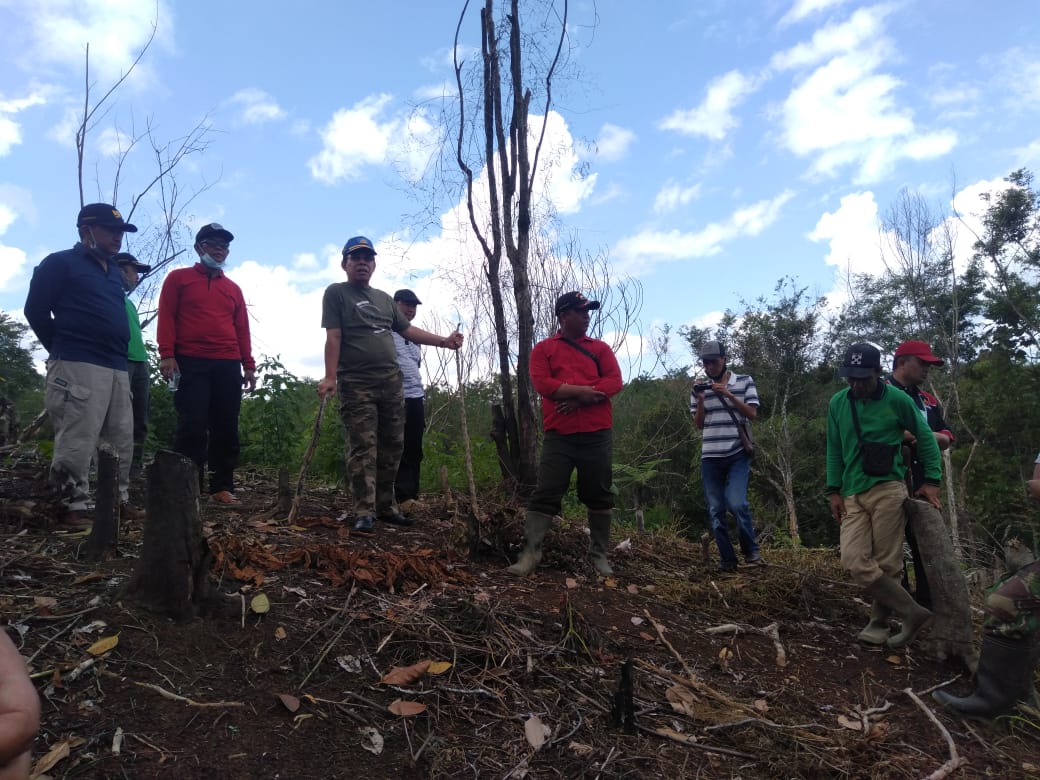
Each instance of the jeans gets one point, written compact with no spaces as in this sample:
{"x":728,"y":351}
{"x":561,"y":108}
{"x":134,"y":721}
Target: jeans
{"x":725,"y":487}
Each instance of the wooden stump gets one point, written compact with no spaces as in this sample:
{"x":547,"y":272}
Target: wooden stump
{"x":951,"y":634}
{"x":285,"y":494}
{"x":172,"y":575}
{"x":104,"y":532}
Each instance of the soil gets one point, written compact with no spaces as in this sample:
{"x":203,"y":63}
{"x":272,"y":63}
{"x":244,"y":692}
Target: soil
{"x":496,"y":676}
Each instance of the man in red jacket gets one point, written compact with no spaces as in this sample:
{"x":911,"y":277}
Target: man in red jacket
{"x":576,"y":376}
{"x":205,"y":351}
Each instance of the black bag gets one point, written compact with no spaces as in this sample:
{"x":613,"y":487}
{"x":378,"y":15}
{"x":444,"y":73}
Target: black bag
{"x":876,"y":458}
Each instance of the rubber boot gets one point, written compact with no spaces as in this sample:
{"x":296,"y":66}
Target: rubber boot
{"x":1004,"y":678}
{"x":889,"y":593}
{"x":877,"y":630}
{"x":536,"y":526}
{"x":599,"y":540}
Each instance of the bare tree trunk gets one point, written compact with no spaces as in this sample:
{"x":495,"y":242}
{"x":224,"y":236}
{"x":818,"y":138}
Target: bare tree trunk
{"x":104,"y":532}
{"x":172,"y":574}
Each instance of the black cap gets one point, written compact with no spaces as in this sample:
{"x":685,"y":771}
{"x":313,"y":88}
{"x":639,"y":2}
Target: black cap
{"x":861,"y":361}
{"x":574,"y":300}
{"x":407,"y":296}
{"x":214,"y":230}
{"x":103,"y":215}
{"x":712,"y":349}
{"x":125,"y":258}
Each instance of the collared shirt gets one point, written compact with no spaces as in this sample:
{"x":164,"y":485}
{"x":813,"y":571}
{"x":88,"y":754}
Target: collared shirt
{"x":721,"y":437}
{"x":409,"y":357}
{"x":928,"y":405}
{"x":365,"y":318}
{"x":554,"y":363}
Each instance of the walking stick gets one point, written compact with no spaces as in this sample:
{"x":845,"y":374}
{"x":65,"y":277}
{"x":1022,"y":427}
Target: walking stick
{"x":307,"y":457}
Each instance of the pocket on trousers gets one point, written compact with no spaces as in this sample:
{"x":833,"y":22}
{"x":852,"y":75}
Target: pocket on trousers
{"x":61,"y":394}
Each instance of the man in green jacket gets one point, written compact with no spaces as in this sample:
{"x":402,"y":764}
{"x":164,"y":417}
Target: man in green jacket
{"x":133,"y":271}
{"x":867,"y":488}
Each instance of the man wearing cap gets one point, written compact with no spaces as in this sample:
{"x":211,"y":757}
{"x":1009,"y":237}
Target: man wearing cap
{"x":205,"y":349}
{"x":133,"y":270}
{"x":409,"y":357}
{"x":361,"y":363}
{"x":76,"y":309}
{"x":720,"y":408}
{"x":910,"y":368}
{"x":576,"y":376}
{"x":865,"y":469}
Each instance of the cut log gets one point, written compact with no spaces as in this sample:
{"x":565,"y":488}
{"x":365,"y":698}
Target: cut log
{"x":951,"y":634}
{"x":104,"y":532}
{"x":172,"y":574}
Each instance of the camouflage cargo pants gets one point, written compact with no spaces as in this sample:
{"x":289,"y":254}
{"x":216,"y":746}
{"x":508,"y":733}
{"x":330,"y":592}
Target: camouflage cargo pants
{"x":1013,"y":604}
{"x":373,"y":416}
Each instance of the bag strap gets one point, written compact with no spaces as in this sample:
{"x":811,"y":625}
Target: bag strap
{"x":726,"y":406}
{"x":582,"y":350}
{"x":855,"y":419}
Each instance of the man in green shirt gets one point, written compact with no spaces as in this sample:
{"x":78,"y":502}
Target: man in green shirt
{"x":361,"y":363}
{"x":133,"y":271}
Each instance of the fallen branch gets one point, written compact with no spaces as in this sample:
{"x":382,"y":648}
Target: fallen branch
{"x":307,"y":457}
{"x":175,"y":697}
{"x":955,"y":759}
{"x":682,"y":739}
{"x":660,"y":635}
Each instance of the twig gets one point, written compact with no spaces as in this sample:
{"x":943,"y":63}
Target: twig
{"x":660,"y":635}
{"x":606,"y":761}
{"x":955,"y":759}
{"x":691,"y":742}
{"x":173,"y":696}
{"x":332,"y":642}
{"x":307,"y":457}
{"x":724,"y":602}
{"x":773,"y":632}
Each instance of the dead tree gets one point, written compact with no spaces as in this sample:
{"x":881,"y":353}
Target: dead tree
{"x":951,"y":635}
{"x":172,"y":574}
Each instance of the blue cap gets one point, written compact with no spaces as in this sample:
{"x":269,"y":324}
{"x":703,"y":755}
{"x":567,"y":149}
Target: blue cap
{"x":356,"y":243}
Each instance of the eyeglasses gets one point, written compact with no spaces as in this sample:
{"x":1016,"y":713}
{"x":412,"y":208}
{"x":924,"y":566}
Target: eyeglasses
{"x":367,"y":257}
{"x":216,"y":244}
{"x":706,"y":361}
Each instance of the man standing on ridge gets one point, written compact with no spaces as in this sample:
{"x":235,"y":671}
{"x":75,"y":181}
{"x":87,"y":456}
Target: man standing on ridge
{"x":205,"y":349}
{"x":361,"y":363}
{"x":133,"y":271}
{"x":409,"y":357}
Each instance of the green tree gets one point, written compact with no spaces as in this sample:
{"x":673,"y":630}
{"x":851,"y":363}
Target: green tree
{"x":20,"y":383}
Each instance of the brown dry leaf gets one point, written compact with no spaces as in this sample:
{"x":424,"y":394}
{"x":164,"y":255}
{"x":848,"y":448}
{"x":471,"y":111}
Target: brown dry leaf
{"x":103,"y":645}
{"x":725,"y":654}
{"x":88,"y":577}
{"x":279,"y":633}
{"x":291,"y":702}
{"x":682,"y":699}
{"x":45,"y":601}
{"x":895,"y":660}
{"x":570,"y":582}
{"x":59,"y":752}
{"x":580,"y":749}
{"x":632,"y":589}
{"x":260,"y":604}
{"x":405,"y":675}
{"x":610,"y":582}
{"x":535,"y":731}
{"x":406,"y":708}
{"x":849,"y":723}
{"x":761,"y":705}
{"x":439,"y":667}
{"x":647,"y":637}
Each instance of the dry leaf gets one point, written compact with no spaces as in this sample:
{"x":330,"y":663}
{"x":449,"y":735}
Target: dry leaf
{"x":581,"y":750}
{"x":406,"y":708}
{"x":291,"y":702}
{"x":895,"y":660}
{"x":761,"y":705}
{"x":570,"y":582}
{"x":849,"y":723}
{"x":349,"y":663}
{"x":260,"y":604}
{"x":88,"y":577}
{"x":371,"y":740}
{"x":682,"y":699}
{"x":625,"y":546}
{"x":647,"y":637}
{"x":405,"y":675}
{"x":45,"y":601}
{"x":57,"y":753}
{"x":439,"y":667}
{"x":103,"y":645}
{"x":632,"y":589}
{"x":279,"y":633}
{"x":610,"y":582}
{"x":637,"y":621}
{"x":535,"y":731}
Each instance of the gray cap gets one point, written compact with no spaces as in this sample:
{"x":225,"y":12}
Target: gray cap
{"x":712,"y":349}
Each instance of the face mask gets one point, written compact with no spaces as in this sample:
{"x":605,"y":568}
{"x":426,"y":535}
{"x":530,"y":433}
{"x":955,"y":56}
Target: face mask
{"x":209,"y":262}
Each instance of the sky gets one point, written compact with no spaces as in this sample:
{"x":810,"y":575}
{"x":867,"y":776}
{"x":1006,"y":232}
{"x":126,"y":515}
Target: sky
{"x":705,"y":149}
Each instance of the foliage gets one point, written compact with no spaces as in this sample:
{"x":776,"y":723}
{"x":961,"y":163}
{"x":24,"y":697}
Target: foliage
{"x":275,"y":422}
{"x":20,"y":383}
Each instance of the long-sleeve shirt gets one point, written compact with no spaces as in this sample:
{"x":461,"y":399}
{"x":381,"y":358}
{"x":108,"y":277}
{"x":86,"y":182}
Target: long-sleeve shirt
{"x":203,"y":315}
{"x":554,"y":363}
{"x":76,"y":309}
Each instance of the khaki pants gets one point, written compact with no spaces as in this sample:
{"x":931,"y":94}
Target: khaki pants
{"x":90,"y":407}
{"x":872,"y":533}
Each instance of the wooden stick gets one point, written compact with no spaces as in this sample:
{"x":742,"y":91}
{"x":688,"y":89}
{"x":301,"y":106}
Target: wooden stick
{"x":955,"y":759}
{"x":307,"y":457}
{"x":173,"y":696}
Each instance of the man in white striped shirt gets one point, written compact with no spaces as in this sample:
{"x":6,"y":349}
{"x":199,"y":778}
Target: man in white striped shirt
{"x":719,"y":406}
{"x":409,"y":357}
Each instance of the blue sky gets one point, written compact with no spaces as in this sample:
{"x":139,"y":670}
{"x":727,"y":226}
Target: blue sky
{"x":721,"y":145}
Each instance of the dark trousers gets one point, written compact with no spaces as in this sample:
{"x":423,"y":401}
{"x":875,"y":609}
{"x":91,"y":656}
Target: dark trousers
{"x":406,"y":486}
{"x":140,"y":388}
{"x":207,"y":402}
{"x":591,"y":454}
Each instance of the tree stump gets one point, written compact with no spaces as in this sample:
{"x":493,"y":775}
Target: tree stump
{"x":951,"y":634}
{"x":104,"y":532}
{"x":172,"y":575}
{"x":285,"y":493}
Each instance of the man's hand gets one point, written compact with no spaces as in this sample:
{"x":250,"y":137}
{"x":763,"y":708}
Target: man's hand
{"x":19,"y":712}
{"x":929,"y":493}
{"x":454,"y":341}
{"x":909,"y":438}
{"x":837,"y":507}
{"x":326,"y":386}
{"x":168,"y":367}
{"x":249,"y":380}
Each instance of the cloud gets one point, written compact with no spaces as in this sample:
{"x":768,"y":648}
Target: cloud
{"x":1021,"y":74}
{"x":12,"y":259}
{"x":713,"y":118}
{"x":805,"y":8}
{"x":643,"y":249}
{"x":10,"y":130}
{"x":673,"y":195}
{"x":613,"y":142}
{"x":256,"y":107}
{"x":112,"y":142}
{"x":363,"y":136}
{"x":852,"y":234}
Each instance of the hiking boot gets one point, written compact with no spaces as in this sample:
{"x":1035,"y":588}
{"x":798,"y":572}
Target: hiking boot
{"x":755,"y":560}
{"x":396,"y":518}
{"x":536,"y":526}
{"x":365,"y":524}
{"x":225,"y":498}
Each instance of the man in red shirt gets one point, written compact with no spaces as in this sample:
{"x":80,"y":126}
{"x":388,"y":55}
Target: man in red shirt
{"x":576,"y":377}
{"x":205,"y":350}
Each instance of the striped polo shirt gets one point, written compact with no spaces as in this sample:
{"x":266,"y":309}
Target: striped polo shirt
{"x":721,"y":438}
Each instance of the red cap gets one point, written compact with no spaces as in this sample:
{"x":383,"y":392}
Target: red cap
{"x":920,"y":350}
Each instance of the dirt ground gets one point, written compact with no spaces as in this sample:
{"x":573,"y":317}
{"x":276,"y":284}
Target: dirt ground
{"x":393,"y":656}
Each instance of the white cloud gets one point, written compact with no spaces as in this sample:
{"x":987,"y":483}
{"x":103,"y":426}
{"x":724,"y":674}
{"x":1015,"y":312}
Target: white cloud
{"x":10,"y":130}
{"x":613,"y":142}
{"x":112,"y":142}
{"x":864,"y":28}
{"x":673,"y":195}
{"x":12,"y":259}
{"x":852,"y":234}
{"x":256,"y":107}
{"x":713,"y":118}
{"x":1021,"y":74}
{"x":1029,"y":155}
{"x":805,"y":8}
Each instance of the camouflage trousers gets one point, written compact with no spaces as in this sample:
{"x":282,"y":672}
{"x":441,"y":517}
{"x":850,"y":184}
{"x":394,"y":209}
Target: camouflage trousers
{"x":1013,"y":604}
{"x":373,"y":417}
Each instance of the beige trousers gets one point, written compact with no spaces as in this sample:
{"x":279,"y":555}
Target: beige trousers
{"x":872,"y":533}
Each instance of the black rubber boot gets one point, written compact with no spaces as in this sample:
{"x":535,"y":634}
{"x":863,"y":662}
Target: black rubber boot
{"x":1004,"y":678}
{"x":536,"y":526}
{"x":599,"y":540}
